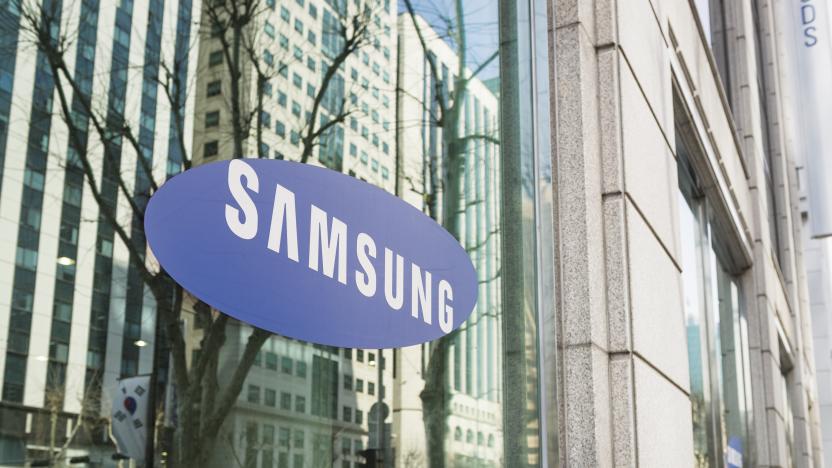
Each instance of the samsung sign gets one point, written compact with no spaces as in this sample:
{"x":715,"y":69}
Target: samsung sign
{"x":311,"y":254}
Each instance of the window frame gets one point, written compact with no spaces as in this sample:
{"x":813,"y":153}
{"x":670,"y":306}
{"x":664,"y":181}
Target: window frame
{"x":715,"y":262}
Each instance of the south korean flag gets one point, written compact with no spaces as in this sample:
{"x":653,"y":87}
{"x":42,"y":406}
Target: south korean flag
{"x":130,"y":425}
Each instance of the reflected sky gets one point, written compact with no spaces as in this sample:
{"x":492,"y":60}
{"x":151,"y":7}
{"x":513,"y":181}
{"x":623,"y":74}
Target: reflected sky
{"x":482,"y":30}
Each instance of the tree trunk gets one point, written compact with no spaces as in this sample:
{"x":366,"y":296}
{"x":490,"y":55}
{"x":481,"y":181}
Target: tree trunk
{"x":436,"y":395}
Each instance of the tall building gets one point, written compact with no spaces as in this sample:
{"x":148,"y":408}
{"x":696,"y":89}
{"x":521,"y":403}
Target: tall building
{"x":296,"y":43}
{"x":684,"y":330}
{"x":74,"y":314}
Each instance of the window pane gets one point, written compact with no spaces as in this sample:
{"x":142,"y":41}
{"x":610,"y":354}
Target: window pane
{"x":418,"y":110}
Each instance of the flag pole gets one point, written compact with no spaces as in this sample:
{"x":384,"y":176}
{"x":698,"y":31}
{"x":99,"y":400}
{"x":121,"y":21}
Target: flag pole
{"x":151,"y":399}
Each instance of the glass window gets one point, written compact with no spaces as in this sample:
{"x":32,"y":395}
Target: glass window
{"x":300,"y":404}
{"x":211,"y":148}
{"x":286,"y":365}
{"x":347,"y":382}
{"x":253,"y":394}
{"x":212,"y":119}
{"x":346,"y":446}
{"x":268,"y":434}
{"x":717,"y":330}
{"x":319,"y":404}
{"x":283,"y":437}
{"x":271,"y":360}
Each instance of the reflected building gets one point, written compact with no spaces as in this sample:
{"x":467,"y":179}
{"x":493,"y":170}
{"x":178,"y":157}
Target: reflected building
{"x":74,"y":313}
{"x":427,"y":77}
{"x":296,"y":42}
{"x":305,"y":405}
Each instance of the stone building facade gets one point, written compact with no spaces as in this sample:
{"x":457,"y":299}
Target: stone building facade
{"x":651,"y":97}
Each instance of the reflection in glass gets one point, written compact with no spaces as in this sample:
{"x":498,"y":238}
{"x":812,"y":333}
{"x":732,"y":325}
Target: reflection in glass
{"x":690,"y":233}
{"x":415,"y":109}
{"x":430,"y":100}
{"x":717,"y":335}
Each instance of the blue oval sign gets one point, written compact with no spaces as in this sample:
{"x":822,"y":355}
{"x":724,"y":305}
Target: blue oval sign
{"x":311,"y":254}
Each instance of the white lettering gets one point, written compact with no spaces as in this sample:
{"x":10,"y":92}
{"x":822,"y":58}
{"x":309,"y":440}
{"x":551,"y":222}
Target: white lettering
{"x":284,"y":207}
{"x":328,"y":239}
{"x":420,"y":293}
{"x":334,"y":243}
{"x":237,"y":170}
{"x":446,"y":312}
{"x":366,"y":249}
{"x":394,"y":301}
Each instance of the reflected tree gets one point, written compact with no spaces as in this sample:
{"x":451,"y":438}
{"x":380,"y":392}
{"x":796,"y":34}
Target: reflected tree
{"x":443,"y":195}
{"x":99,"y":129}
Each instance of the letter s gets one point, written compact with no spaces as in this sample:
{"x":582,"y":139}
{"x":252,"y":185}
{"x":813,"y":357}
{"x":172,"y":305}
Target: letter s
{"x":811,"y":39}
{"x":247,"y":229}
{"x":366,"y":280}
